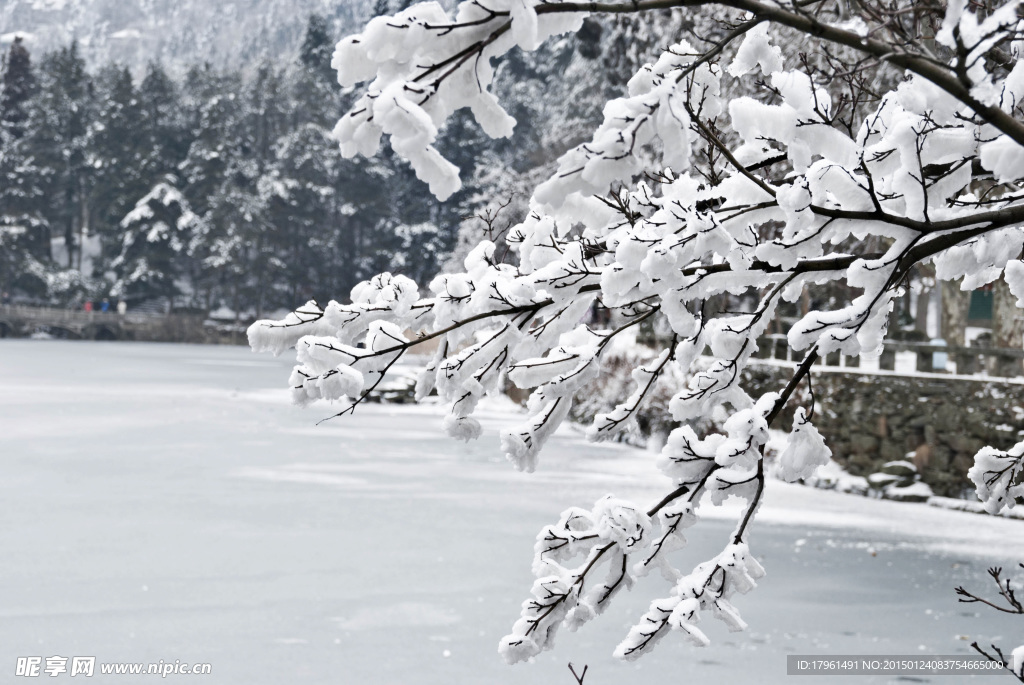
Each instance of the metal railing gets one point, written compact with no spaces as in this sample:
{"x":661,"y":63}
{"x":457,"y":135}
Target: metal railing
{"x":911,"y":357}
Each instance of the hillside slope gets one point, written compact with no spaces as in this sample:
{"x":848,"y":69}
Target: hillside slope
{"x":133,"y":32}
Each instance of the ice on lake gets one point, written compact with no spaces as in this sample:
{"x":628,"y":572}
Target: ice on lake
{"x":165,"y":502}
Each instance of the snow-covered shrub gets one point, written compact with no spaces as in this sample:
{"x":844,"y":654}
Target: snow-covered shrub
{"x":899,"y":480}
{"x":747,"y":196}
{"x":651,"y":422}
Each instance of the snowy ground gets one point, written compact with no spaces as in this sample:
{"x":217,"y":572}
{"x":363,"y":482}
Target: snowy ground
{"x":165,"y":502}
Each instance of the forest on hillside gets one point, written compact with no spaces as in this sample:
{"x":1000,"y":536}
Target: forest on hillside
{"x":210,"y":188}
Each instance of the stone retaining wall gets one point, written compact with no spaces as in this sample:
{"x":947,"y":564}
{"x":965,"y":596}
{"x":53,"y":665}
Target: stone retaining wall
{"x":869,"y":419}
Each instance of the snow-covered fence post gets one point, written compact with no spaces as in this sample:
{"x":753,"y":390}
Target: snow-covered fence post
{"x":755,"y":197}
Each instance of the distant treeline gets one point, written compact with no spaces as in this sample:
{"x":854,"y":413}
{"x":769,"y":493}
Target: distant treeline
{"x":218,"y":188}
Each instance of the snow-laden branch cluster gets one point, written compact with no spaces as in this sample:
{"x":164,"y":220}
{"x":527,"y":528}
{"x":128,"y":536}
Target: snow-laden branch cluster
{"x":997,"y":476}
{"x":752,"y":198}
{"x":423,"y":66}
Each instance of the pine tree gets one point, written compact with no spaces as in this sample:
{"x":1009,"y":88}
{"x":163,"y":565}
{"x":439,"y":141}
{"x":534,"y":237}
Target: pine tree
{"x":315,"y":92}
{"x":157,"y":233}
{"x":59,"y":125}
{"x":213,"y":112}
{"x":117,"y":150}
{"x":24,"y":232}
{"x":164,"y":128}
{"x":213,"y":117}
{"x":307,"y":212}
{"x":257,"y":184}
{"x":18,"y":85}
{"x":317,"y":48}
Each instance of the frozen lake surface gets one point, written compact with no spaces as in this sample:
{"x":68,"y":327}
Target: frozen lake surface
{"x":165,"y":502}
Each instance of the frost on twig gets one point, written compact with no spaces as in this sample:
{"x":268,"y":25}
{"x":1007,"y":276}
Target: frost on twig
{"x":707,"y":588}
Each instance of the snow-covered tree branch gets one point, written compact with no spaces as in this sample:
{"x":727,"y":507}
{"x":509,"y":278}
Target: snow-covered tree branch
{"x":1008,"y":603}
{"x":892,"y":137}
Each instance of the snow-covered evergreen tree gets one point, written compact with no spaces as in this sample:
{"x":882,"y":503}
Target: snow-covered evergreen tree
{"x":58,"y":128}
{"x":116,"y":154}
{"x":163,"y":125}
{"x":16,"y":87}
{"x":24,"y":231}
{"x":154,"y":249}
